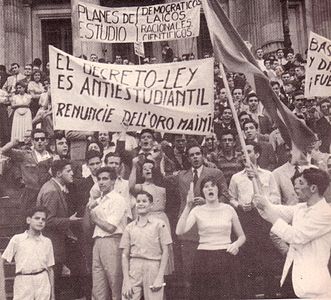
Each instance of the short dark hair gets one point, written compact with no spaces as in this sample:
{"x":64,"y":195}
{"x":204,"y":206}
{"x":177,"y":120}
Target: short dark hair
{"x":14,"y":64}
{"x":315,"y":176}
{"x":22,"y":84}
{"x":325,"y":100}
{"x":256,"y":146}
{"x":298,"y":93}
{"x":250,"y":95}
{"x":30,"y":212}
{"x":213,"y":180}
{"x":58,"y":165}
{"x":112,"y":154}
{"x":192,"y":143}
{"x":58,"y":135}
{"x":237,"y":88}
{"x":37,"y":130}
{"x":149,"y":196}
{"x":300,"y":67}
{"x":242,"y":113}
{"x":272,"y":83}
{"x":256,"y":125}
{"x":94,"y":141}
{"x":258,"y":49}
{"x":226,"y":108}
{"x":37,"y":62}
{"x":147,"y":130}
{"x":149,"y":161}
{"x":91,"y":154}
{"x":82,"y":56}
{"x":226,"y":132}
{"x":110,"y":171}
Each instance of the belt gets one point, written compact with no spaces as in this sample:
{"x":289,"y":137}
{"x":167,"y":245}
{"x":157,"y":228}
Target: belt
{"x":33,"y":273}
{"x":116,"y":235}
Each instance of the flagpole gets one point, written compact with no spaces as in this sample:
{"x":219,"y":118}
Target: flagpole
{"x":237,"y":123}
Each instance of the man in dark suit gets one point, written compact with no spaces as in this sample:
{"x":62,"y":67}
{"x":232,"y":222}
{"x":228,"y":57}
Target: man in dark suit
{"x":195,"y":174}
{"x":323,"y":125}
{"x":34,"y":165}
{"x":53,"y":196}
{"x":267,"y":159}
{"x":79,"y":254}
{"x":177,"y":153}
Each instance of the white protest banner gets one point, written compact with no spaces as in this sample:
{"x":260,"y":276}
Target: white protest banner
{"x":170,"y":21}
{"x":139,"y":49}
{"x":170,"y":97}
{"x":318,"y":72}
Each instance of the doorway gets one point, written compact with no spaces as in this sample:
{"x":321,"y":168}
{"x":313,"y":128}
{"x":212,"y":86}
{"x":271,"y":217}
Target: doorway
{"x":58,"y":33}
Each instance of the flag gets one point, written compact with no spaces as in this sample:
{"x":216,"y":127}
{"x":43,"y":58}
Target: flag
{"x":230,"y":49}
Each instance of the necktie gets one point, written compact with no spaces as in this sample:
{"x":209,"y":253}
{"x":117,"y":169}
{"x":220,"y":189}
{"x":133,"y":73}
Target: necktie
{"x":195,"y":176}
{"x":296,"y":172}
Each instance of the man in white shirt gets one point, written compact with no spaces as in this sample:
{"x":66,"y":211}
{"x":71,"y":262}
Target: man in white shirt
{"x":259,"y":58}
{"x":11,"y":81}
{"x":256,"y":255}
{"x":109,"y":214}
{"x":307,"y":228}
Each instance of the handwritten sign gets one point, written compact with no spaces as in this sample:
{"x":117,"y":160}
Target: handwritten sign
{"x":171,"y":21}
{"x":172,"y":97}
{"x":318,"y":73}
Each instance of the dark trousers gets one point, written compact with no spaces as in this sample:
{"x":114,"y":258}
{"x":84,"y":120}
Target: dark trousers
{"x":28,"y":199}
{"x":257,"y":256}
{"x":185,"y":267}
{"x":57,"y":279}
{"x":287,"y":290}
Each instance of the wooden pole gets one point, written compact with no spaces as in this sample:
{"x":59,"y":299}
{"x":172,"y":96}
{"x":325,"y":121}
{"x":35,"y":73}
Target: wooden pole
{"x":2,"y":279}
{"x":237,"y":123}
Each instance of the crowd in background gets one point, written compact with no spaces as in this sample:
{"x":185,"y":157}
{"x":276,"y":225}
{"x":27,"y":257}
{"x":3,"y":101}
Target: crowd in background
{"x":165,"y":165}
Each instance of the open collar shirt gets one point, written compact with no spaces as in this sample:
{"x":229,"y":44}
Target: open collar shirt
{"x":146,"y":240}
{"x":30,"y":253}
{"x":241,"y":187}
{"x":111,"y":208}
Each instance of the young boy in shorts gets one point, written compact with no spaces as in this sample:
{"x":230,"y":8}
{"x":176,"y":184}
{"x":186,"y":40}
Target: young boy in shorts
{"x":145,"y":243}
{"x":34,"y":259}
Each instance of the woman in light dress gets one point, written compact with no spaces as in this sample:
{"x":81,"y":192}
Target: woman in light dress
{"x":22,"y":118}
{"x":159,"y":197}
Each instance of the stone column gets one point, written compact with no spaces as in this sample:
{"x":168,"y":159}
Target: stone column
{"x":28,"y":57}
{"x":2,"y":33}
{"x":81,"y":47}
{"x":322,"y":17}
{"x":14,"y":31}
{"x":259,"y":22}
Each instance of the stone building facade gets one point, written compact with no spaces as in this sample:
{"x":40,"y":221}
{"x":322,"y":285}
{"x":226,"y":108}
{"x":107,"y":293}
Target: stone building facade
{"x":27,"y":27}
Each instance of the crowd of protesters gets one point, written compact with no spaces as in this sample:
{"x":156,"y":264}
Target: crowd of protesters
{"x":189,"y":198}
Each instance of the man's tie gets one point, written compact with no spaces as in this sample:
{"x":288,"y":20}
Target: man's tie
{"x":195,"y":176}
{"x":296,"y":172}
